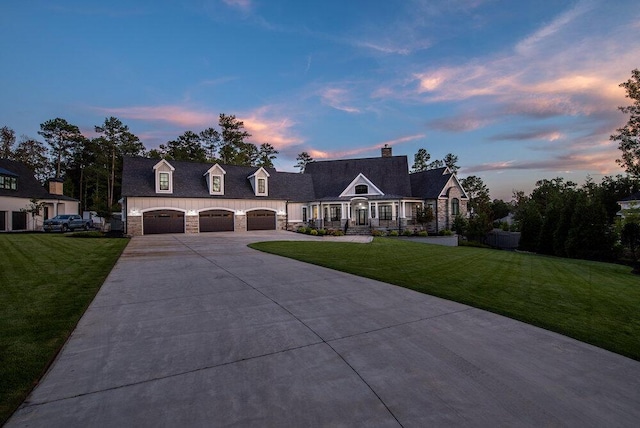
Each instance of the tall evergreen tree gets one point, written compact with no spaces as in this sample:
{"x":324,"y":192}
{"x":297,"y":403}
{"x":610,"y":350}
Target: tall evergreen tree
{"x":61,"y":137}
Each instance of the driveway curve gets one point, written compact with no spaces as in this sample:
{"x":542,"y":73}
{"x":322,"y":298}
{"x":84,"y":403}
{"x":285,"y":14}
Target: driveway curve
{"x":200,"y":330}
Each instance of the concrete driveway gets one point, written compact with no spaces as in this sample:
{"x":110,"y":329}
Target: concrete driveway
{"x":199,"y":330}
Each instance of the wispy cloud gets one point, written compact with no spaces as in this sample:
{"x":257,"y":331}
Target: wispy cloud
{"x":602,"y":162}
{"x":173,"y":114}
{"x":243,"y":5}
{"x":525,"y":46}
{"x":341,"y":154}
{"x":532,"y":134}
{"x":338,"y":98}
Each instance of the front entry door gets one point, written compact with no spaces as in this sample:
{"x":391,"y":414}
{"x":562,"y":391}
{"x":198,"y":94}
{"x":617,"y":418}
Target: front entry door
{"x":361,"y":216}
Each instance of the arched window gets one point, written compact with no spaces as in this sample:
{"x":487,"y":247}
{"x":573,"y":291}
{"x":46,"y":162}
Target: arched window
{"x":362,"y":189}
{"x":455,"y":206}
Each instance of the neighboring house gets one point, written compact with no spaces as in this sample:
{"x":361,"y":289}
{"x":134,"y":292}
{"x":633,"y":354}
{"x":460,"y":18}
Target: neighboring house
{"x":631,"y":202}
{"x":17,"y":187}
{"x":185,"y":197}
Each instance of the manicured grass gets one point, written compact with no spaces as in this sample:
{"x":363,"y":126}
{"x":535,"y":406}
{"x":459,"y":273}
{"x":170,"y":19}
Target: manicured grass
{"x":594,"y":302}
{"x":46,"y":283}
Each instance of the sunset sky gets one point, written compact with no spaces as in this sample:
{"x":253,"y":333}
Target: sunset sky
{"x":519,"y":90}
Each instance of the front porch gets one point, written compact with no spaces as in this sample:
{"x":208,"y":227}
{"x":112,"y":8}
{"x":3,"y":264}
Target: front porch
{"x":363,"y":214}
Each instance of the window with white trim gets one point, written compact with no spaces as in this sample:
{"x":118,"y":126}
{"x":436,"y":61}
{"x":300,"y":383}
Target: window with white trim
{"x":216,"y":184}
{"x":163,"y":181}
{"x":262,"y":185}
{"x":385,"y":212}
{"x":362,"y":189}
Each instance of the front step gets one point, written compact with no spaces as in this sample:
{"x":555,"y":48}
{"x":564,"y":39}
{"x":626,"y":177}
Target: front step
{"x":358,"y":231}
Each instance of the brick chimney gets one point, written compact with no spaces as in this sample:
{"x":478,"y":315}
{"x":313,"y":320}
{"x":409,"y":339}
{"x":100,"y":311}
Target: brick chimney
{"x":386,"y":151}
{"x":56,"y":186}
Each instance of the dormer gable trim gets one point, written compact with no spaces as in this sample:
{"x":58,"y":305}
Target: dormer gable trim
{"x":361,"y":179}
{"x":215,"y":179}
{"x":260,"y":182}
{"x":259,"y":171}
{"x":164,"y":176}
{"x":453,"y":182}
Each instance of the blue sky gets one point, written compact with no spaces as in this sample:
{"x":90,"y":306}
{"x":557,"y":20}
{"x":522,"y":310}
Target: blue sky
{"x":520,"y":91}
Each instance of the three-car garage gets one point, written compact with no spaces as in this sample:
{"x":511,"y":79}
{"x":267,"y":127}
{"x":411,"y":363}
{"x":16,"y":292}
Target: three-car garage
{"x":173,"y":221}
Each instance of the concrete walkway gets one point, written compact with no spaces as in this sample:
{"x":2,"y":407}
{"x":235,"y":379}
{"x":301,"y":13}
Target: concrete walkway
{"x":199,"y":330}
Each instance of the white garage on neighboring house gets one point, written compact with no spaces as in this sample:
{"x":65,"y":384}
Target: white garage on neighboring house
{"x":18,"y":187}
{"x":166,"y":196}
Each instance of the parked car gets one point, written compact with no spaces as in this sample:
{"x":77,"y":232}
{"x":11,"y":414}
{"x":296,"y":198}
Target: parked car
{"x":64,"y":222}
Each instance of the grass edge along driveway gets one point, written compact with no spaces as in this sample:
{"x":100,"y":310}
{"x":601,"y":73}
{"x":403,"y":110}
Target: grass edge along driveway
{"x":590,"y":301}
{"x":47,"y":281}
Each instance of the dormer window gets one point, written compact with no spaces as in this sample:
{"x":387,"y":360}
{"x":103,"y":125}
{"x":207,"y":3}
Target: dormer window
{"x":164,"y":181}
{"x":361,"y":185}
{"x":164,"y":177}
{"x":215,"y":180}
{"x":362,"y":189}
{"x":260,"y":182}
{"x":8,"y":183}
{"x":216,"y":184}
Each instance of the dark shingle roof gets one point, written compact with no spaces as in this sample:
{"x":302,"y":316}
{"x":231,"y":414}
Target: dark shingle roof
{"x":389,"y":174}
{"x":429,"y":184}
{"x":28,"y":186}
{"x":138,"y":179}
{"x":322,"y":180}
{"x":634,"y":197}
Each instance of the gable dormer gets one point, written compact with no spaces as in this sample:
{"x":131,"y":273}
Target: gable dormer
{"x":163,"y":176}
{"x":8,"y":180}
{"x":361,"y":186}
{"x":260,"y":182}
{"x":215,"y":180}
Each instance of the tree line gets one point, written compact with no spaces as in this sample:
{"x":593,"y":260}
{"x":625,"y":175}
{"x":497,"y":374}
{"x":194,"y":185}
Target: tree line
{"x":92,"y":167}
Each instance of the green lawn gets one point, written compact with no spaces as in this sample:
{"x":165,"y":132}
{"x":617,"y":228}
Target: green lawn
{"x":598,"y":303}
{"x":46,"y":283}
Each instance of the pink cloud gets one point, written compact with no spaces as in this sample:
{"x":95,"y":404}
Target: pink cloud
{"x":267,"y":127}
{"x":176,"y":115}
{"x":337,"y":98}
{"x":341,"y":154}
{"x":600,"y":161}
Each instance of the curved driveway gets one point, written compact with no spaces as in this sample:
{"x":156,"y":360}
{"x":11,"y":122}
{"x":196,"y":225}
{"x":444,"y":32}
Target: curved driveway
{"x":199,"y":330}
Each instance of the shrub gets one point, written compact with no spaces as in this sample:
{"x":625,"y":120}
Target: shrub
{"x":423,"y":233}
{"x":322,"y":232}
{"x":338,"y":233}
{"x":313,"y":232}
{"x":376,"y":232}
{"x":407,"y":232}
{"x":393,"y":233}
{"x":447,"y":232}
{"x":301,"y":229}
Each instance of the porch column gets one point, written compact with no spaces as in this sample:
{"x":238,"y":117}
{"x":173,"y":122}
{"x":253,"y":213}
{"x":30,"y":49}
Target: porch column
{"x":369,"y":211}
{"x":403,"y":211}
{"x":394,"y":211}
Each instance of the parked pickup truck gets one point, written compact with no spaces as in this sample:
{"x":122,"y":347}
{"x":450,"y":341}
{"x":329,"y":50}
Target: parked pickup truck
{"x":64,"y":222}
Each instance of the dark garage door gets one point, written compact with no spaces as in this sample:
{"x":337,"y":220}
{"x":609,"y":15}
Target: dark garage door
{"x":165,"y":221}
{"x":19,"y":220}
{"x":216,"y":221}
{"x":261,"y":220}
